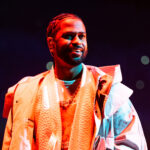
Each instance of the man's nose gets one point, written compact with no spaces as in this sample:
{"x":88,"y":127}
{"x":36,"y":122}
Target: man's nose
{"x":76,"y":41}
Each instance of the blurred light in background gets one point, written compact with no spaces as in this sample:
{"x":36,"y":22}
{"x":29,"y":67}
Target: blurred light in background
{"x":49,"y":65}
{"x":145,"y":60}
{"x":140,"y":84}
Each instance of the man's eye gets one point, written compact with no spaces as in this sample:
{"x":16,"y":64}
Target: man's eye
{"x":68,"y":37}
{"x":81,"y":36}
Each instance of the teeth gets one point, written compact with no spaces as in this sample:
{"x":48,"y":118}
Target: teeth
{"x":77,"y":50}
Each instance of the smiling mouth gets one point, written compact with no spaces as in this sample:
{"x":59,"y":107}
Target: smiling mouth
{"x":76,"y":53}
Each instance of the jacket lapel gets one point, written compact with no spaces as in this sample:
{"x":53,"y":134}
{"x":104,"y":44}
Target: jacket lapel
{"x":49,"y":121}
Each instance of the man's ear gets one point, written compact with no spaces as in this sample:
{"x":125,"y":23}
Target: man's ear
{"x":51,"y":45}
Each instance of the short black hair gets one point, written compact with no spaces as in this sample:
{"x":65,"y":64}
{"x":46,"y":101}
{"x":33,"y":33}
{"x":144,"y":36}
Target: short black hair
{"x":51,"y":29}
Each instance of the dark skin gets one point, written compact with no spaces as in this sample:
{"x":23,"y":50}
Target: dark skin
{"x":69,"y":48}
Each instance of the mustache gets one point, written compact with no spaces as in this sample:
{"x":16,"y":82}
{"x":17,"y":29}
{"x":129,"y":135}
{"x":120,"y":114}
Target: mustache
{"x":81,"y":47}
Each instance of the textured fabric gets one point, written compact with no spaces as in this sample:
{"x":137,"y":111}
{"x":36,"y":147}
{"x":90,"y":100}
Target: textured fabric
{"x":20,"y":124}
{"x":51,"y":113}
{"x":108,"y":116}
{"x":120,"y":127}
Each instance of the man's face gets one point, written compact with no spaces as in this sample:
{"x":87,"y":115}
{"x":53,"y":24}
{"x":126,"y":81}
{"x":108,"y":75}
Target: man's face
{"x":70,"y":42}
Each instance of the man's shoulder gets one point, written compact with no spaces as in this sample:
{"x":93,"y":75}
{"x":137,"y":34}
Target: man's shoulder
{"x":113,"y":70}
{"x":25,"y":85}
{"x":110,"y":85}
{"x":35,"y":78}
{"x":27,"y":82}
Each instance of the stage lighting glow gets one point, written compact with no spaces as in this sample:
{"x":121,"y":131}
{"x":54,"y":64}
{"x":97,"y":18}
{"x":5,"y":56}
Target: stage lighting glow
{"x":49,"y":65}
{"x":140,"y":84}
{"x":145,"y":60}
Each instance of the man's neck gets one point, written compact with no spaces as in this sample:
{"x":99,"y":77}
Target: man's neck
{"x":68,"y":73}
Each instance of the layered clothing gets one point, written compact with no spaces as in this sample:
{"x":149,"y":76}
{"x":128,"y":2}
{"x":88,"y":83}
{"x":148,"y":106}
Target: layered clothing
{"x":104,"y":117}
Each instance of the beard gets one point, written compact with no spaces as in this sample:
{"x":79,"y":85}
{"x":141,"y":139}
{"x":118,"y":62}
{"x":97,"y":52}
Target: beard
{"x":66,"y":54}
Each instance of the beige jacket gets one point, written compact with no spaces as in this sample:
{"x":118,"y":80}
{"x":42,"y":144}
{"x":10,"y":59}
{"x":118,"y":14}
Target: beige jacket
{"x":101,"y":99}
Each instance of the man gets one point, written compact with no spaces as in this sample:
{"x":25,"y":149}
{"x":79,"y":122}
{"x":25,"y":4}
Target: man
{"x":72,"y":106}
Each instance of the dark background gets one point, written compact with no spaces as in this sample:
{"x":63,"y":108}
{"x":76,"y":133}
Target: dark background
{"x":118,"y":33}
